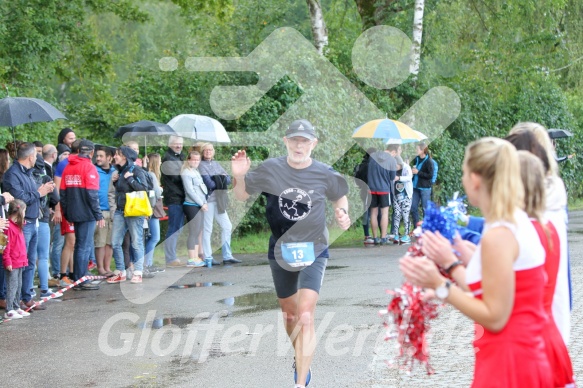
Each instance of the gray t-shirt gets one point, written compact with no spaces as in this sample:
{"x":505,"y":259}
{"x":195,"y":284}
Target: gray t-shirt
{"x":296,"y":201}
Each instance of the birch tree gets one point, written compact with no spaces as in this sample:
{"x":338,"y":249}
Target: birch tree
{"x":417,"y":38}
{"x":319,"y":31}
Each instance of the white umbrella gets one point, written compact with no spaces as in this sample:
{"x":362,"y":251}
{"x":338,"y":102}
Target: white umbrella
{"x":199,"y":128}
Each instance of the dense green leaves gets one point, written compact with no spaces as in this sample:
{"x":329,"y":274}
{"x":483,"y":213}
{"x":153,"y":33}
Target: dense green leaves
{"x":97,"y":61}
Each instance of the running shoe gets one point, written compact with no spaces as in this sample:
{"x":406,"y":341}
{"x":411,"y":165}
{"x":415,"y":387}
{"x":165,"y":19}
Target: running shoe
{"x":384,"y":241}
{"x":12,"y":314}
{"x":136,"y":279}
{"x":405,"y":240}
{"x":119,"y":277}
{"x":308,"y":378}
{"x":194,"y":263}
{"x":368,"y":240}
{"x":65,"y":281}
{"x":377,"y":241}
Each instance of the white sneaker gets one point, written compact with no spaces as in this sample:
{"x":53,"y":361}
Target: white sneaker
{"x":12,"y":314}
{"x":23,"y":313}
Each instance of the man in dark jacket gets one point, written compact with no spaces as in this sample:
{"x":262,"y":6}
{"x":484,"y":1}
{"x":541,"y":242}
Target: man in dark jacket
{"x":173,"y":198}
{"x":382,"y":169}
{"x":79,"y":194}
{"x":131,"y":178}
{"x":19,"y":183}
{"x":40,"y":176}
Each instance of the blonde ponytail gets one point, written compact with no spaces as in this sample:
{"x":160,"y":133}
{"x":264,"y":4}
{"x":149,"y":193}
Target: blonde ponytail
{"x":496,"y":162}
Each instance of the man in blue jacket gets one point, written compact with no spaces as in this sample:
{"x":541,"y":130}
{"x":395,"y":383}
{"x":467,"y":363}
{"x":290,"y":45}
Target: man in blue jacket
{"x":382,"y":169}
{"x":19,"y":183}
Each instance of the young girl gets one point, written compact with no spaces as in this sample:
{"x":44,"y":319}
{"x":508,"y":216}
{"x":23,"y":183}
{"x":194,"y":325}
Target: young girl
{"x":403,"y":195}
{"x":505,"y":274}
{"x":153,"y":237}
{"x":195,"y":201}
{"x":14,"y":260}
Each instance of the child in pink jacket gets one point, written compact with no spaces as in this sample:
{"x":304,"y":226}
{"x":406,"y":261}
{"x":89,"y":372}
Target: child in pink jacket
{"x":14,"y":259}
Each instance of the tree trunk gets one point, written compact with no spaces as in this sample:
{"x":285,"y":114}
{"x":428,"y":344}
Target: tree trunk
{"x":319,"y":30}
{"x":417,"y":37}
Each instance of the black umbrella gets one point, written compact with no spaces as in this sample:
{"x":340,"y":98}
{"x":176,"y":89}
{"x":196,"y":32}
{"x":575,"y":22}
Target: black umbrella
{"x":144,"y":128}
{"x":559,"y":133}
{"x":23,"y":110}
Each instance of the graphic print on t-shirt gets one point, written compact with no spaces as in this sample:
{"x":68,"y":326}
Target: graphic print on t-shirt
{"x":295,"y":204}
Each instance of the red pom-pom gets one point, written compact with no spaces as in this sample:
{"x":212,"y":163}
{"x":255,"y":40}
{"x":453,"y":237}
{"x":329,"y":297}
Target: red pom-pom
{"x":410,"y":316}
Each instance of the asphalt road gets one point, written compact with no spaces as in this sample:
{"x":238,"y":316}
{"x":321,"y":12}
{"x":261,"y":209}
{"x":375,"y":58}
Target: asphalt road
{"x":220,"y":327}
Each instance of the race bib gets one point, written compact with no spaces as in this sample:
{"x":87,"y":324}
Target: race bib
{"x":298,"y":254}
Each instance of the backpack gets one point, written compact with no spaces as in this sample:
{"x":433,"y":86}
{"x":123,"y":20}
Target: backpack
{"x":149,"y":184}
{"x":361,"y":171}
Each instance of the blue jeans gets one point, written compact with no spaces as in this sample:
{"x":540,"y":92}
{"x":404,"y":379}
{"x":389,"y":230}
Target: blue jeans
{"x":30,"y":232}
{"x":153,"y":239}
{"x":226,"y":229}
{"x":42,"y":251}
{"x":83,"y":245}
{"x":121,"y":225}
{"x":175,"y":223}
{"x":56,"y":249}
{"x":419,"y":195}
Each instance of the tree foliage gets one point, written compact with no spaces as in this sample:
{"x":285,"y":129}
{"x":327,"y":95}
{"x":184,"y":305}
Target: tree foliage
{"x":97,"y":61}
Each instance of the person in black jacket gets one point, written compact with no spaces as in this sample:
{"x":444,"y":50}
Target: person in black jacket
{"x":47,"y":202}
{"x":422,"y":175}
{"x":173,"y":198}
{"x":130,"y":178}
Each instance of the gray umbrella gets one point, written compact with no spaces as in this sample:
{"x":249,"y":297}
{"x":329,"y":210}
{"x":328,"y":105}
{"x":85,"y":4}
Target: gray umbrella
{"x":144,"y":129}
{"x":23,"y":110}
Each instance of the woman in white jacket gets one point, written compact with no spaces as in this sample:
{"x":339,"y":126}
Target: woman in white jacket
{"x":402,"y":203}
{"x":195,"y":200}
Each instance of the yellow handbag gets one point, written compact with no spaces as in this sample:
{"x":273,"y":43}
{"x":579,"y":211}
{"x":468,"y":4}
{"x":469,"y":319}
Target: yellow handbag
{"x":137,"y":204}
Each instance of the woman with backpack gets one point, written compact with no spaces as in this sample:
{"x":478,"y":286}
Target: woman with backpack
{"x":422,"y":175}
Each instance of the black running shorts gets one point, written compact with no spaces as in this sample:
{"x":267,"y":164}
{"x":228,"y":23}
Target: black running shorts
{"x":287,"y":283}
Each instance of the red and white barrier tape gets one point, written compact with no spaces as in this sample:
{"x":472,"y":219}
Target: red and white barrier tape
{"x":55,"y":294}
{"x":62,"y":290}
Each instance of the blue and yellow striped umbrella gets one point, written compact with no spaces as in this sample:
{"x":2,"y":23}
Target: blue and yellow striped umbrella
{"x":395,"y":132}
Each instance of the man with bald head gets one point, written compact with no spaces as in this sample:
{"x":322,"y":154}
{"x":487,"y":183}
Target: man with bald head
{"x":49,"y":154}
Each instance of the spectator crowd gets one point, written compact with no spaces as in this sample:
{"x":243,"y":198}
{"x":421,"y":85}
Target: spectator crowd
{"x":64,"y":214}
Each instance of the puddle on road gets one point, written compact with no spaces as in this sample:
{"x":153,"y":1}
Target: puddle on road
{"x":180,"y":322}
{"x":159,"y":322}
{"x":199,"y":285}
{"x":253,"y":303}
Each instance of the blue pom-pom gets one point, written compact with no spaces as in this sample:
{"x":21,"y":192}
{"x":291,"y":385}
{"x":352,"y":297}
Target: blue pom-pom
{"x":444,"y":219}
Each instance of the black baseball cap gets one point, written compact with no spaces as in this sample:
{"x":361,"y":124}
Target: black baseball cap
{"x":301,"y":128}
{"x":86,"y":145}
